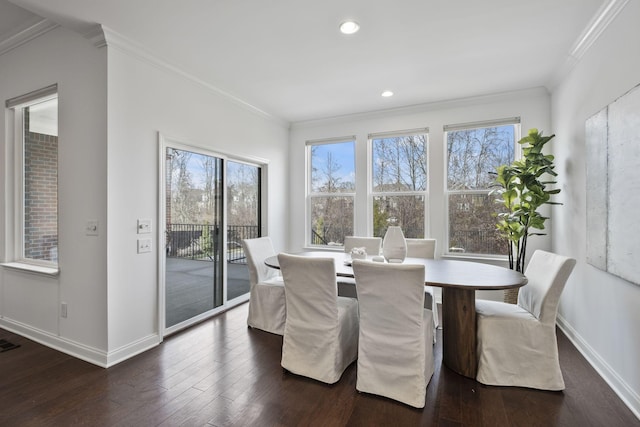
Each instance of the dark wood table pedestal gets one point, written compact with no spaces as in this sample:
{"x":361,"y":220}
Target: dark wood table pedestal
{"x":459,"y":331}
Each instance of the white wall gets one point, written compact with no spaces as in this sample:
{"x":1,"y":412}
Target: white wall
{"x":29,"y":303}
{"x":113,"y":103}
{"x":598,"y":310}
{"x":146,"y":98}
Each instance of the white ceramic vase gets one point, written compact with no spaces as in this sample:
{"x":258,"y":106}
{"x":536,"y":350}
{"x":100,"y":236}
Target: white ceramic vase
{"x":394,"y":246}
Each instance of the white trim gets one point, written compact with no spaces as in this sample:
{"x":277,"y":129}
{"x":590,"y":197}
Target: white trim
{"x":97,"y":36}
{"x":601,"y":20}
{"x":37,"y":96}
{"x":482,"y":124}
{"x":67,"y":346}
{"x":32,"y":268}
{"x":80,"y":351}
{"x":161,"y":230}
{"x":592,"y":32}
{"x":135,"y":50}
{"x":619,"y":386}
{"x":15,"y":124}
{"x":38,"y":28}
{"x":18,"y":191}
{"x":398,"y":133}
{"x":203,"y":149}
{"x":517,"y":95}
{"x":132,"y":349}
{"x":165,"y":142}
{"x":333,"y":140}
{"x":13,"y":181}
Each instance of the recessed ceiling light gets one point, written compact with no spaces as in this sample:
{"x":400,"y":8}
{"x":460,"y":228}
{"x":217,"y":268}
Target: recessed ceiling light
{"x":387,"y":93}
{"x":349,"y":27}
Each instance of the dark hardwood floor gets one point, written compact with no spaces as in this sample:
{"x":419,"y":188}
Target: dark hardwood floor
{"x":221,"y":373}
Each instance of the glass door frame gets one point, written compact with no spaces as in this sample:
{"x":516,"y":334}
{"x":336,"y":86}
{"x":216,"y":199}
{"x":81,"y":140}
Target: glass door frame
{"x":169,"y":142}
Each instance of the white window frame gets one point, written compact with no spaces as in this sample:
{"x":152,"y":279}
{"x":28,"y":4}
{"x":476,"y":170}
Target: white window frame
{"x":14,"y":230}
{"x":310,"y":194}
{"x":517,"y":153}
{"x":371,"y":194}
{"x":165,"y":141}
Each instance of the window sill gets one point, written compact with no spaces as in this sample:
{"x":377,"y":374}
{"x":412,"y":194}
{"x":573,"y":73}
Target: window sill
{"x":31,"y":268}
{"x":323,"y":248}
{"x":474,"y":257}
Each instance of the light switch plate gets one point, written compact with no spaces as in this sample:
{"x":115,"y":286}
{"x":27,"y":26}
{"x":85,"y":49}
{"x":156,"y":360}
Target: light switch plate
{"x":144,"y":226}
{"x":144,"y":246}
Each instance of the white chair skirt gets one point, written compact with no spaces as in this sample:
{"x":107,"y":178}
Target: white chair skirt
{"x":267,"y":306}
{"x":326,"y":353}
{"x":515,"y":349}
{"x":393,"y":374}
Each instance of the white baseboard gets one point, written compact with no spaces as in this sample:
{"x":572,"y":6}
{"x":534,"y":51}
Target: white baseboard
{"x":629,"y":396}
{"x":132,"y":349}
{"x":88,"y":354}
{"x":80,"y":351}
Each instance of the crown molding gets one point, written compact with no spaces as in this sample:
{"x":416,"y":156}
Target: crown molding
{"x":96,"y":36}
{"x":104,"y":36}
{"x":592,"y":32}
{"x":425,"y":107}
{"x":36,"y":29}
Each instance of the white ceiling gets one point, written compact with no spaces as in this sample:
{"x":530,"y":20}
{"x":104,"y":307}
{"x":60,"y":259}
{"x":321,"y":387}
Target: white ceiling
{"x":287,"y":58}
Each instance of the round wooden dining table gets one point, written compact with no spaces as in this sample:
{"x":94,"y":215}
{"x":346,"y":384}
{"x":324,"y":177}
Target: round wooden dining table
{"x":459,"y":281}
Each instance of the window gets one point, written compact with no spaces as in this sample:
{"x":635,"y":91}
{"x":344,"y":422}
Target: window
{"x":399,"y":182}
{"x":474,"y":151}
{"x":36,"y":129}
{"x":331,"y":190}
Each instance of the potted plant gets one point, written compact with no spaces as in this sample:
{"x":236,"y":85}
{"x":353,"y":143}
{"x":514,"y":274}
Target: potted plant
{"x":522,"y":191}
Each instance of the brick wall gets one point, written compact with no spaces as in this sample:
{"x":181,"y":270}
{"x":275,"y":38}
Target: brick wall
{"x":41,"y":195}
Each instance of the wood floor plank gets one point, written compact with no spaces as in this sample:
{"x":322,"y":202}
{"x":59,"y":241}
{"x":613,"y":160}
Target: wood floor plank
{"x":221,"y":373}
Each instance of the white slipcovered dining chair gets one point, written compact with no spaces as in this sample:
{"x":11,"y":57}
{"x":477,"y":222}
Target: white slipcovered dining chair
{"x":425,"y":248}
{"x":321,"y":331}
{"x":517,"y":344}
{"x":266,"y":293}
{"x":373,"y":246}
{"x":395,"y":348}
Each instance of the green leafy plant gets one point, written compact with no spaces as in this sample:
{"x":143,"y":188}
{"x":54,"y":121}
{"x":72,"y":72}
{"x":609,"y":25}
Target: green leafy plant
{"x":522,"y":191}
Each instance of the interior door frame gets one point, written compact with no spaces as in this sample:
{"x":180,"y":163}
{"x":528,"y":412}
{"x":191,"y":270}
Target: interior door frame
{"x":165,"y":142}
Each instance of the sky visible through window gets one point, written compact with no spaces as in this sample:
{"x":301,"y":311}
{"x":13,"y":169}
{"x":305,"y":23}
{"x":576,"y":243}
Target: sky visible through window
{"x":342,"y":154}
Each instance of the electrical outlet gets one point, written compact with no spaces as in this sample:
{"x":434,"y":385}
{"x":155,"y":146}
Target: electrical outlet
{"x":144,"y":245}
{"x":63,"y":310}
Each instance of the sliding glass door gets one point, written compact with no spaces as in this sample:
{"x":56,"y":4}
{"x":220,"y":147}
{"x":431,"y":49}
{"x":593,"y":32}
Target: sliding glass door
{"x":210,"y":204}
{"x":193,"y":244}
{"x":243,"y":222}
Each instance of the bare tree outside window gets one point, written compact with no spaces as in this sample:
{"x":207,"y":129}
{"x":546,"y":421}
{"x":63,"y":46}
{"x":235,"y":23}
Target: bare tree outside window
{"x":184,"y":204}
{"x":332,"y":190}
{"x":243,"y":194}
{"x":243,"y":204}
{"x":399,"y":184}
{"x":472,"y":154}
